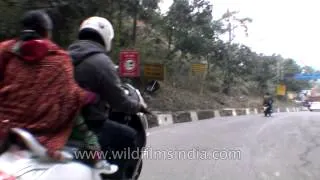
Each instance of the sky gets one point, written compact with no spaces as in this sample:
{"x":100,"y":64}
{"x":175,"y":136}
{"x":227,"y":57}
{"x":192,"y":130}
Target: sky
{"x":290,"y":28}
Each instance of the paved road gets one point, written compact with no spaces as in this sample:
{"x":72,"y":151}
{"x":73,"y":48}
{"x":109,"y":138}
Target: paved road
{"x":283,"y":147}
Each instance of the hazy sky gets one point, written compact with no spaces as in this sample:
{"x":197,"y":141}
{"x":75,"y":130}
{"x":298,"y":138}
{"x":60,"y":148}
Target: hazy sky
{"x":287,"y":27}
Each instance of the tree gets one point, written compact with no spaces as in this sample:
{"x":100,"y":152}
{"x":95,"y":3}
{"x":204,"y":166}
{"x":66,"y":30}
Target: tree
{"x":228,"y":23}
{"x":191,"y":32}
{"x":292,"y":68}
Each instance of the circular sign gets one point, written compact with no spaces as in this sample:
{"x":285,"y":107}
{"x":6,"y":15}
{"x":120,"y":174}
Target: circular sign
{"x":130,"y":65}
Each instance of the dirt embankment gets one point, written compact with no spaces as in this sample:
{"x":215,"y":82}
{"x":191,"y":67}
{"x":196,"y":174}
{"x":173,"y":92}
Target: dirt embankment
{"x":168,"y":98}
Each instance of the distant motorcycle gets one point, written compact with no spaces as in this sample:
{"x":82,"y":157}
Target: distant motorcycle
{"x":267,"y":110}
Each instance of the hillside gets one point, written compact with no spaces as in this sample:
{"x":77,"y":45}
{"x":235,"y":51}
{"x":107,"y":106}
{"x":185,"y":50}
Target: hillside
{"x":168,"y":98}
{"x":187,"y":96}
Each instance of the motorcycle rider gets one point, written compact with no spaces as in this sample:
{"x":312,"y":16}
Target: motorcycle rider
{"x":267,"y":100}
{"x":37,"y":88}
{"x":95,"y":71}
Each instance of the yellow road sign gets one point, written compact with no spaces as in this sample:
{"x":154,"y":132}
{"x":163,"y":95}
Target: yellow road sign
{"x":154,"y":71}
{"x":199,"y":68}
{"x":281,"y":90}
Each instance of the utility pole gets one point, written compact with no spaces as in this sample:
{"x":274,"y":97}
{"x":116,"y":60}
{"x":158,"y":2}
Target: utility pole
{"x":280,"y":70}
{"x":227,"y":62}
{"x":229,"y":27}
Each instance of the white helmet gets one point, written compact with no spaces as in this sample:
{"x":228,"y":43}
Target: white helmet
{"x":102,"y":26}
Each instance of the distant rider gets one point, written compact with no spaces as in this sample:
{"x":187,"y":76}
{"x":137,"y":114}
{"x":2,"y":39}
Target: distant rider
{"x":267,"y":100}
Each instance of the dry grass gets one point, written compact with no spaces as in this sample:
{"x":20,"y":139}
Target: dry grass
{"x":169,"y":98}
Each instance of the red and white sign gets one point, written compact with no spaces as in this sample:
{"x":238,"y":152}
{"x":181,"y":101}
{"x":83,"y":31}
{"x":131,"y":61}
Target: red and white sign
{"x":129,"y":64}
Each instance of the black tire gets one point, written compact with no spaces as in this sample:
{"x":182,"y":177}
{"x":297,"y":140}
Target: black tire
{"x":145,"y":125}
{"x":136,"y":177}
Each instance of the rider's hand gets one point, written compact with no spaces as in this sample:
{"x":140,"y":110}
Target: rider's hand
{"x":144,"y":109}
{"x":91,"y":97}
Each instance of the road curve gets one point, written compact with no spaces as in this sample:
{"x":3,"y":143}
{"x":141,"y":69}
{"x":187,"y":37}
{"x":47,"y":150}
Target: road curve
{"x":283,"y":147}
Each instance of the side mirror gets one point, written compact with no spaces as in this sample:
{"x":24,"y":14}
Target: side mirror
{"x":152,"y":86}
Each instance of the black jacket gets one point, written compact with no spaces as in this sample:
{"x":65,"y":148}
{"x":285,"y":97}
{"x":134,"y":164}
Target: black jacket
{"x":96,"y":72}
{"x":267,"y":100}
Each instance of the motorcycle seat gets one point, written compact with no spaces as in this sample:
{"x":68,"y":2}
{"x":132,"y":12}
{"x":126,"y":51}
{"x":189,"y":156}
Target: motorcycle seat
{"x":35,"y":147}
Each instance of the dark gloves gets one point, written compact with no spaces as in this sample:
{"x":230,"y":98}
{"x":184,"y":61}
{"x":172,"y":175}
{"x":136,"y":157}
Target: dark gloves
{"x":91,"y":97}
{"x":144,"y":109}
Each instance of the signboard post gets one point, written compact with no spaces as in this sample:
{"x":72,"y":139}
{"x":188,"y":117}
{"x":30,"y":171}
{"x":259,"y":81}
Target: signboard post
{"x":154,"y":71}
{"x":129,"y":64}
{"x":281,"y":90}
{"x":199,"y":68}
{"x":314,"y":76}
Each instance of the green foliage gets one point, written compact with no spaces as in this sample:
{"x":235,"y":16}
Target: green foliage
{"x":291,"y":68}
{"x":190,"y":26}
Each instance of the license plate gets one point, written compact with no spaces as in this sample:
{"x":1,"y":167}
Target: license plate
{"x":5,"y":176}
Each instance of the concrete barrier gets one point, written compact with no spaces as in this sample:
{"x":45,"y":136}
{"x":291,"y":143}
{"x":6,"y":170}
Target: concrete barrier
{"x":165,"y":119}
{"x":248,"y":112}
{"x":217,"y":113}
{"x":168,"y":118}
{"x":241,"y":112}
{"x":194,"y":116}
{"x":205,"y":114}
{"x":179,"y":117}
{"x":226,"y":112}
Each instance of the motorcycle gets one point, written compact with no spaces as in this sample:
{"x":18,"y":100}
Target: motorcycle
{"x":132,"y":167}
{"x":267,"y":110}
{"x":28,"y":160}
{"x":24,"y":158}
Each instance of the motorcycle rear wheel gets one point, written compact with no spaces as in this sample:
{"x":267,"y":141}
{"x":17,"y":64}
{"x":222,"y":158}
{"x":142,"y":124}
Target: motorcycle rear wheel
{"x":136,"y":177}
